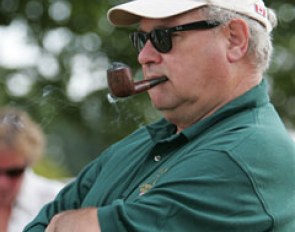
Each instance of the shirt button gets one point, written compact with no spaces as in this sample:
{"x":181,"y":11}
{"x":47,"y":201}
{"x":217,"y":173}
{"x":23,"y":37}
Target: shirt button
{"x":157,"y":158}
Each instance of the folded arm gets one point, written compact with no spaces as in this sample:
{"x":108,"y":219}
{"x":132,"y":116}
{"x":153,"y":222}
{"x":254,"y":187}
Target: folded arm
{"x":75,"y":221}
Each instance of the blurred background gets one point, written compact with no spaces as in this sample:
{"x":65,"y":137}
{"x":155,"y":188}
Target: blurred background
{"x":53,"y":60}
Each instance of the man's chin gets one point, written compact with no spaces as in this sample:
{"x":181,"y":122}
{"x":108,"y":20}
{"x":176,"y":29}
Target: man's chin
{"x":161,"y":106}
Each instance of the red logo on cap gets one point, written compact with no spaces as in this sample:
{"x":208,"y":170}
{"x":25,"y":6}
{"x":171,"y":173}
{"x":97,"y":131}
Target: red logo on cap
{"x":260,"y":9}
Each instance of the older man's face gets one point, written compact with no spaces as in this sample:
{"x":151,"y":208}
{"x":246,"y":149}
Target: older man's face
{"x":195,"y":67}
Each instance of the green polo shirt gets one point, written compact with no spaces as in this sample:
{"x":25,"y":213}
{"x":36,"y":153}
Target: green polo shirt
{"x":233,"y":171}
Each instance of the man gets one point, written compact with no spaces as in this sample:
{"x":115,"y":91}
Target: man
{"x":220,"y":160}
{"x":22,"y":192}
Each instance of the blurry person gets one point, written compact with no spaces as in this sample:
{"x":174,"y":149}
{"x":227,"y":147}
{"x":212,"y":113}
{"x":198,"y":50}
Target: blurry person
{"x":22,"y":192}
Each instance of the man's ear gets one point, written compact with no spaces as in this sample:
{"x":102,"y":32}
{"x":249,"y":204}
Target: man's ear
{"x":238,"y":37}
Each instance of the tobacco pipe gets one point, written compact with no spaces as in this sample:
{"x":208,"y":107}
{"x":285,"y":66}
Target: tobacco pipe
{"x":121,"y":83}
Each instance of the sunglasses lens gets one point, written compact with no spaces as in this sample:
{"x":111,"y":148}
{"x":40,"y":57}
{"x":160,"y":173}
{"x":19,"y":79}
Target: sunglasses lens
{"x":161,"y":39}
{"x":138,"y":40}
{"x":14,"y":173}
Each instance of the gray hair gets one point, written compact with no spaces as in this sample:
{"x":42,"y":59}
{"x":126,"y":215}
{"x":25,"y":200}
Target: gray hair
{"x":260,"y":41}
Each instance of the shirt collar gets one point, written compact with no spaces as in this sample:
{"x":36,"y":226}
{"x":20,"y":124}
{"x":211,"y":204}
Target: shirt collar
{"x":255,"y":97}
{"x":164,"y":131}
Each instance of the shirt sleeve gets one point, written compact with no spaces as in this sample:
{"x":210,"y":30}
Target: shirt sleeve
{"x":70,"y":197}
{"x":204,"y":192}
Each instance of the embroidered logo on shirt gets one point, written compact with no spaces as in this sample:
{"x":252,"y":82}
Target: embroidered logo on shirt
{"x":145,"y":187}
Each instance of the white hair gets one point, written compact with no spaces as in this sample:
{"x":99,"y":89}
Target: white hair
{"x":260,"y":41}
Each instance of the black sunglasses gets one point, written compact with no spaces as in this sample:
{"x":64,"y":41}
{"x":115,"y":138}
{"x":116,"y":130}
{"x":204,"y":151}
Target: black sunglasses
{"x":13,"y":172}
{"x":161,"y":38}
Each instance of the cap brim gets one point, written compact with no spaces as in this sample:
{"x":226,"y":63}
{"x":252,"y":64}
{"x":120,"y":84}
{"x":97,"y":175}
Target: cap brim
{"x":131,"y":12}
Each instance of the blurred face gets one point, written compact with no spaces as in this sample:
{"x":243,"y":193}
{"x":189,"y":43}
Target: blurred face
{"x":195,"y":68}
{"x":11,"y":176}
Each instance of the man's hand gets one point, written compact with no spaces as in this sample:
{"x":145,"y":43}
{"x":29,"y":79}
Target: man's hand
{"x":75,"y":221}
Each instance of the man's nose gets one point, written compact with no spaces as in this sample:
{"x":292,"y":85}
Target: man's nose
{"x":4,"y":181}
{"x":149,"y":54}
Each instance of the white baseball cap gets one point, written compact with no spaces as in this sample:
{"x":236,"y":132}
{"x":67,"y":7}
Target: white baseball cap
{"x":131,"y":12}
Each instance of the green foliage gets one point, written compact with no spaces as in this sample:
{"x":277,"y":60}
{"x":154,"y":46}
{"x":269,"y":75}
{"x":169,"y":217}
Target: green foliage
{"x":50,"y":169}
{"x":79,"y":129}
